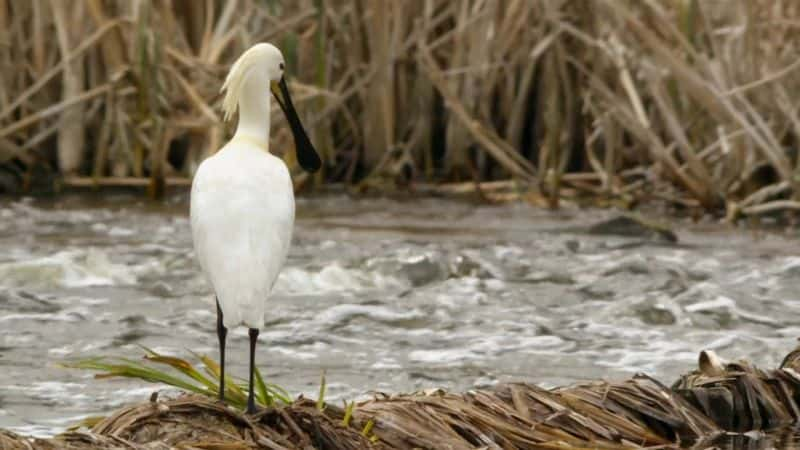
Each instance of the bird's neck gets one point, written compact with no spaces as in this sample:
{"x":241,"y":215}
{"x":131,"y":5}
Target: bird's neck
{"x":254,"y":112}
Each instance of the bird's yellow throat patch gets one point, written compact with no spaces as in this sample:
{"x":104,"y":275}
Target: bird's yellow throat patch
{"x":263,"y":145}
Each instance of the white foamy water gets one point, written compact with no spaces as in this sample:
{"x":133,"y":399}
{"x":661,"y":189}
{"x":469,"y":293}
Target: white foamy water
{"x":382,"y":295}
{"x":66,"y":269}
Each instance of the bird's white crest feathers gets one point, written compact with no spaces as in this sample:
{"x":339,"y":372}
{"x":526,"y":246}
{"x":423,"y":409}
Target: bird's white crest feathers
{"x":234,"y":82}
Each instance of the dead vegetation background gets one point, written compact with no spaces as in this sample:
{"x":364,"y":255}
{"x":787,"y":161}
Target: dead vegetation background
{"x":689,"y":101}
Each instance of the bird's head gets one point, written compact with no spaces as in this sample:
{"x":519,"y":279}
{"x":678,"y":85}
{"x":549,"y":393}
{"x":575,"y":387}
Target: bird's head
{"x":265,"y":63}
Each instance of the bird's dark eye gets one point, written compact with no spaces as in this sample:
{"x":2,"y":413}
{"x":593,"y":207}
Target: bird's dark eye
{"x":281,"y":66}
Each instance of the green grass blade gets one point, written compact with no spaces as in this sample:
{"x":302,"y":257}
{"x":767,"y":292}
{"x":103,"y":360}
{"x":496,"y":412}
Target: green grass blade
{"x":321,"y":398}
{"x":368,"y":428}
{"x":279,"y":393}
{"x":348,"y":413}
{"x":232,"y":389}
{"x":182,"y":366}
{"x":262,"y":394}
{"x":132,"y":369}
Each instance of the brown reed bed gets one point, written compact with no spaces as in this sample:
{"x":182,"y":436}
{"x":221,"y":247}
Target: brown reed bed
{"x":685,"y":101}
{"x":641,"y":412}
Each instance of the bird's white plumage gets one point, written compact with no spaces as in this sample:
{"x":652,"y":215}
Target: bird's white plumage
{"x":242,"y":214}
{"x":242,"y":201}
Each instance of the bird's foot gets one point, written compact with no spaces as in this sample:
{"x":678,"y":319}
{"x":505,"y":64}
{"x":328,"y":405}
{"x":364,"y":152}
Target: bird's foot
{"x":251,"y":409}
{"x":221,"y":395}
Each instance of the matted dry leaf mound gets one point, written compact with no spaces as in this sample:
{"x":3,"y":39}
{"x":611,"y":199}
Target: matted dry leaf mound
{"x":635,"y":413}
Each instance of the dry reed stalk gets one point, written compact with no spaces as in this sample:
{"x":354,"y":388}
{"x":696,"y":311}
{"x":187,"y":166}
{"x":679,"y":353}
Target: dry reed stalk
{"x":5,"y":44}
{"x":378,"y":99}
{"x":83,"y":182}
{"x":71,"y":142}
{"x":505,"y":155}
{"x":52,"y":110}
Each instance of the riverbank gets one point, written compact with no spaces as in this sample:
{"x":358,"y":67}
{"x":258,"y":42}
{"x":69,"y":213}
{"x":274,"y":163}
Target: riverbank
{"x":704,"y":404}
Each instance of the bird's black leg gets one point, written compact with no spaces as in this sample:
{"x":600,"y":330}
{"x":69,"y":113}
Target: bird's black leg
{"x":251,"y":404}
{"x":222,"y":332}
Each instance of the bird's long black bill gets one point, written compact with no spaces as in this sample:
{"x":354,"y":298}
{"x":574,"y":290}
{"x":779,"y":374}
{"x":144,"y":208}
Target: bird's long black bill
{"x":306,"y":154}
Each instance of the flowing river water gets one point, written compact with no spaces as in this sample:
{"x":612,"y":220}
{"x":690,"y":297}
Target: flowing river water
{"x":383,"y":295}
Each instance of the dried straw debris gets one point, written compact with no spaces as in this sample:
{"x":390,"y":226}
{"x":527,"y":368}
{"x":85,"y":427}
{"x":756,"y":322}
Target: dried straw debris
{"x":636,"y":413}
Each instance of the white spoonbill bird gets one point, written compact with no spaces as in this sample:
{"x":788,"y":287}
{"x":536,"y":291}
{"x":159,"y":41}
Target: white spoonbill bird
{"x":242,"y":202}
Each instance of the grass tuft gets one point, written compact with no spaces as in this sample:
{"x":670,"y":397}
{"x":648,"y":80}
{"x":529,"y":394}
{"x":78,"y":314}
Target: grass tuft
{"x":182,"y":374}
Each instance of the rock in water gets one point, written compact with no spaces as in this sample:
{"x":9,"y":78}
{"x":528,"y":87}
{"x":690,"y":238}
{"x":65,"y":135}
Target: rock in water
{"x":633,"y":226}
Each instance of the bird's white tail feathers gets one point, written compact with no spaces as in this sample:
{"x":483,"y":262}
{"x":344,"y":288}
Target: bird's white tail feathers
{"x":234,"y":83}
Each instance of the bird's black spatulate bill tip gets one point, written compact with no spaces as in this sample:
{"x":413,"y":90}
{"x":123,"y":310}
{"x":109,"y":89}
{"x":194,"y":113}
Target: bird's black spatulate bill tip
{"x":306,"y":153}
